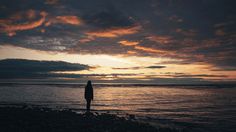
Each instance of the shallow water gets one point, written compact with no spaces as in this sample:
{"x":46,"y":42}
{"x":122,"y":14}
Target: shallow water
{"x":200,"y":108}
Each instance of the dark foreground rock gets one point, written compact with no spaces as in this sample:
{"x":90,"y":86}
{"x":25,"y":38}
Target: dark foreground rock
{"x":14,"y":119}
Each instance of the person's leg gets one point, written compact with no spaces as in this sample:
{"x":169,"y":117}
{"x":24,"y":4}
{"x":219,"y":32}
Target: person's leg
{"x":88,"y":104}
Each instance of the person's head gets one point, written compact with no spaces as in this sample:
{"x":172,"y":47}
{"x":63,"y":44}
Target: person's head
{"x":89,"y":82}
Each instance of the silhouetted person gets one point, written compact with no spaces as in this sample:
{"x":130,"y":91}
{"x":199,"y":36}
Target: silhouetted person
{"x":88,"y":94}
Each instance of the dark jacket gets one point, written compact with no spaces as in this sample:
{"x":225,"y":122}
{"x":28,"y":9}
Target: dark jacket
{"x":88,"y":94}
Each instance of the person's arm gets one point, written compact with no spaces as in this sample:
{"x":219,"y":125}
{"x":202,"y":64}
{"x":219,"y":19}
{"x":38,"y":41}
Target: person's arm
{"x":85,"y":92}
{"x":92,"y":93}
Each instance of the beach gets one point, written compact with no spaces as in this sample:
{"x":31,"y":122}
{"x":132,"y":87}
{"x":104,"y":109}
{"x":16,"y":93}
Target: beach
{"x":36,"y":119}
{"x":169,"y":108}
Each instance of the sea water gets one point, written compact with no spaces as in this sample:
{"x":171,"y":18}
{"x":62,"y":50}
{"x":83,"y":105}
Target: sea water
{"x":200,"y":108}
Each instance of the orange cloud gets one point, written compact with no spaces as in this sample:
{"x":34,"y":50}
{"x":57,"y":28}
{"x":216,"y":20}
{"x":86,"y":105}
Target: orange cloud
{"x":220,"y":32}
{"x":31,"y":14}
{"x":85,"y":40}
{"x":8,"y":26}
{"x":128,"y":43}
{"x":42,"y":30}
{"x":224,"y":24}
{"x":131,"y":52}
{"x":11,"y":29}
{"x":189,"y":33}
{"x":28,"y":14}
{"x":148,"y":49}
{"x":114,"y":32}
{"x":73,"y":20}
{"x":161,"y":39}
{"x":16,"y":16}
{"x":11,"y":34}
{"x":175,"y":18}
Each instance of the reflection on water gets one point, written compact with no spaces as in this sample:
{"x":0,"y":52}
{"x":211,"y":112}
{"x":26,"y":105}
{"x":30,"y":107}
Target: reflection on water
{"x":214,"y":107}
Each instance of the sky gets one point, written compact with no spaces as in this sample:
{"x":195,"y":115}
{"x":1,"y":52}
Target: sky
{"x":126,"y":41}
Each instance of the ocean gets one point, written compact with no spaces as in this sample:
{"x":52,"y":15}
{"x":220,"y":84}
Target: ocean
{"x":197,"y":108}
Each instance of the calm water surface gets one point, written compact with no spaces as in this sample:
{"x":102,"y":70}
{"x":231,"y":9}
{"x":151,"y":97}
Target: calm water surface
{"x":199,"y":108}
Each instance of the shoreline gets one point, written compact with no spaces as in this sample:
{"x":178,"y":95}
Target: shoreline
{"x":38,"y":119}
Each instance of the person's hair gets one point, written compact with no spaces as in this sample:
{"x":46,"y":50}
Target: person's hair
{"x":89,"y":83}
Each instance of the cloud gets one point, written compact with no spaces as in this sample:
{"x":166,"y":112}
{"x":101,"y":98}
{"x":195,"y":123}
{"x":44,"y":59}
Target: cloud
{"x":138,"y":67}
{"x":178,"y":62}
{"x":20,"y":68}
{"x":51,"y":2}
{"x":108,"y":17}
{"x":188,"y":32}
{"x":224,"y":68}
{"x":29,"y":14}
{"x":220,"y":32}
{"x":33,"y":69}
{"x":88,"y":27}
{"x":73,"y":20}
{"x":162,"y":81}
{"x":33,"y":20}
{"x":87,"y":39}
{"x":126,"y":68}
{"x":156,"y":67}
{"x":149,"y":50}
{"x":223,"y":24}
{"x":128,"y":43}
{"x":107,"y":75}
{"x":114,"y":32}
{"x":11,"y":28}
{"x":185,"y":75}
{"x":160,"y":39}
{"x":131,"y":52}
{"x":200,"y":75}
{"x":175,"y":18}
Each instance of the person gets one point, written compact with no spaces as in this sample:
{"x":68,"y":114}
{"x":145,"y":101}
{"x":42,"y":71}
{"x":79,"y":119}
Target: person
{"x":88,"y":94}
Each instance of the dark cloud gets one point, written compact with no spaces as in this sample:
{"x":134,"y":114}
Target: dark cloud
{"x":225,"y":68}
{"x":137,"y":67}
{"x":156,"y":67}
{"x":189,"y":30}
{"x":163,"y":81}
{"x":33,"y":69}
{"x":126,"y":68}
{"x":184,"y":75}
{"x":105,"y":75}
{"x":108,"y":18}
{"x":20,"y":68}
{"x":200,"y":76}
{"x":179,"y":62}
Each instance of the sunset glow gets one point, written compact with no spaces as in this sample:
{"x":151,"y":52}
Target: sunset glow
{"x":124,"y":43}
